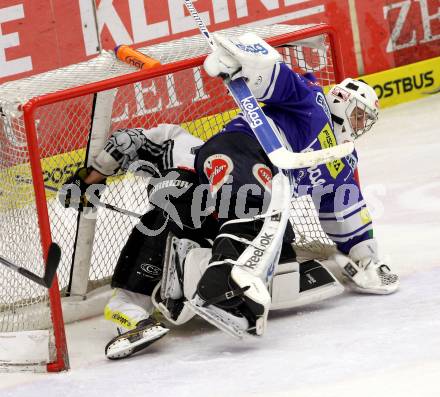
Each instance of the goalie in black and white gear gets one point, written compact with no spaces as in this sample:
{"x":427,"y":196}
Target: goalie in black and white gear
{"x":139,"y":269}
{"x":166,"y":155}
{"x":234,"y":261}
{"x":236,"y":286}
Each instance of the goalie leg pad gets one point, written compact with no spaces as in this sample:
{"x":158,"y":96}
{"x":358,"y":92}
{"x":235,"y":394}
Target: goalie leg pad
{"x":222,"y":299}
{"x":174,"y":264}
{"x":197,"y":262}
{"x":236,"y":281}
{"x":139,"y":267}
{"x":140,"y":264}
{"x":256,"y":297}
{"x":298,"y":284}
{"x":168,"y":296}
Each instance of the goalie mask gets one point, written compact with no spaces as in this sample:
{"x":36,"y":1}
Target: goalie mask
{"x":355,"y":108}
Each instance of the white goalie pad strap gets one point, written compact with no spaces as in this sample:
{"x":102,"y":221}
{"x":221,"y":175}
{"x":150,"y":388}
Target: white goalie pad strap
{"x":236,"y":238}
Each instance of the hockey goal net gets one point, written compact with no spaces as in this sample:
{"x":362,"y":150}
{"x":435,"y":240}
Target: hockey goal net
{"x":53,"y":123}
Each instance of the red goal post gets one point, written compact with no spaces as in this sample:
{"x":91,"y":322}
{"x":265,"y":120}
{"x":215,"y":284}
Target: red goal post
{"x":54,"y":122}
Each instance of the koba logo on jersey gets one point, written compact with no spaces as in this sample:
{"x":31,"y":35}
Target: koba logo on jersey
{"x":217,"y":169}
{"x":263,"y":174}
{"x":250,"y":108}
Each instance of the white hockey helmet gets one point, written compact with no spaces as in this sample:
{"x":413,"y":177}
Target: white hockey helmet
{"x":355,"y":108}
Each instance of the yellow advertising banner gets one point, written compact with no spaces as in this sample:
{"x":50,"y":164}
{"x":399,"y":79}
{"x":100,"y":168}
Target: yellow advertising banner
{"x":406,"y":83}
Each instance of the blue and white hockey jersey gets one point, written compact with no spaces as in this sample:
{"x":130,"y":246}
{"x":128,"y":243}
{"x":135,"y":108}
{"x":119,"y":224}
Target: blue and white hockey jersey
{"x":296,"y":104}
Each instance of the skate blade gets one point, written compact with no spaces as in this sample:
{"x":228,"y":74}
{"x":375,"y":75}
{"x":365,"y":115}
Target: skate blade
{"x":380,"y":290}
{"x":374,"y":291}
{"x":122,"y":348}
{"x":216,"y":320}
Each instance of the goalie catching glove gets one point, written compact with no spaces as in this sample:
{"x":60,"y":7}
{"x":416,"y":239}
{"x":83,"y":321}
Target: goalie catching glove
{"x":78,"y":194}
{"x":246,"y":56}
{"x":364,"y":272}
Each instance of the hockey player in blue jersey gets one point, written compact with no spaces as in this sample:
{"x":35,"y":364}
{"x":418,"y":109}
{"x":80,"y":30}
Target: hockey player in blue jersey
{"x":215,"y":283}
{"x":305,"y":119}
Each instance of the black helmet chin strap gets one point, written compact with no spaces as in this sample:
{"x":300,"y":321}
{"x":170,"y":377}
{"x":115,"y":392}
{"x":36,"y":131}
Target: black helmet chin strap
{"x":337,"y":119}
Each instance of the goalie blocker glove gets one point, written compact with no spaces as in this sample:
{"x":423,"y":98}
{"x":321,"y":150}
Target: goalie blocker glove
{"x":246,"y":56}
{"x":75,"y":193}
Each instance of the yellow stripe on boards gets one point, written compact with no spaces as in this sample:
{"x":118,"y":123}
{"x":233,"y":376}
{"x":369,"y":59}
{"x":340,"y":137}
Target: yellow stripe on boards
{"x":406,"y":83}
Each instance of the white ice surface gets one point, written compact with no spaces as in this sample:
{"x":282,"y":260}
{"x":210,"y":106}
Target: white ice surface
{"x":353,"y":345}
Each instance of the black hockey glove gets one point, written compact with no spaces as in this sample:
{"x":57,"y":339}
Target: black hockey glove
{"x":78,"y":194}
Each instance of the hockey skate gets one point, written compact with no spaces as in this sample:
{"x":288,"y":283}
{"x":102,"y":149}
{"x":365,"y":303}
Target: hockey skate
{"x":130,"y":342}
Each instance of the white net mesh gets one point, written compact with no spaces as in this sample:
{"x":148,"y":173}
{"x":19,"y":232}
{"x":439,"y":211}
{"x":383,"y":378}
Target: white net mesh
{"x":187,"y":97}
{"x":106,"y":65}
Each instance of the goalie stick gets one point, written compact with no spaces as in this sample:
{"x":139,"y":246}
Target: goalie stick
{"x":278,"y":154}
{"x":99,"y":204}
{"x":52,"y":262}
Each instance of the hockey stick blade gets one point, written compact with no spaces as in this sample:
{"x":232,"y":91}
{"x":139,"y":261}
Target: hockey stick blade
{"x":52,"y":262}
{"x":432,"y":92}
{"x":286,"y":159}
